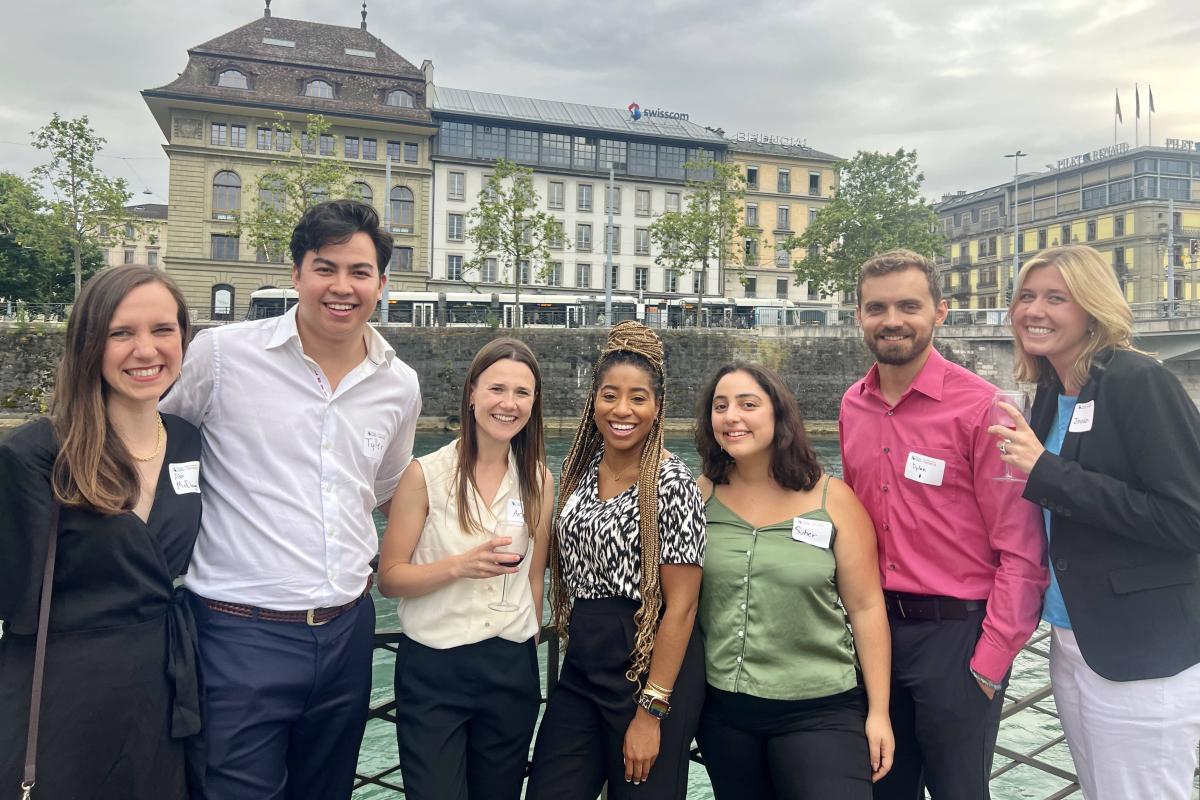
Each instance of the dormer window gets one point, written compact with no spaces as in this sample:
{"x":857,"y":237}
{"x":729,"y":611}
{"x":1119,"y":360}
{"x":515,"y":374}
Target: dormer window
{"x":399,"y":98}
{"x":318,"y":88}
{"x":232,"y":79}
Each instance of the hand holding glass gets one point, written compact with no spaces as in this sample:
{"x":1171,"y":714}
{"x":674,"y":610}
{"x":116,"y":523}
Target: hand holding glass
{"x":1020,"y":401}
{"x":519,"y":533}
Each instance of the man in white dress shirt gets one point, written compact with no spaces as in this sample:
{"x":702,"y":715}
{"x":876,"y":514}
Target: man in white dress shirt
{"x":307,"y":420}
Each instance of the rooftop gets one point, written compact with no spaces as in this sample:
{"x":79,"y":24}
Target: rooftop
{"x":148,"y":210}
{"x":784,"y":150}
{"x":445,"y":100}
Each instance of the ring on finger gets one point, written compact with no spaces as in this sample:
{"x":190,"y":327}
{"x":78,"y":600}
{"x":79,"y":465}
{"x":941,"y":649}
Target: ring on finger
{"x":1004,"y":446}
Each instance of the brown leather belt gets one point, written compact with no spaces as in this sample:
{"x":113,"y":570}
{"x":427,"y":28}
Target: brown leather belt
{"x":313,"y":616}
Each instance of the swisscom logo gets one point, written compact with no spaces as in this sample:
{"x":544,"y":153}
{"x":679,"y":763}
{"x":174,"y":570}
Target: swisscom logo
{"x":635,"y":111}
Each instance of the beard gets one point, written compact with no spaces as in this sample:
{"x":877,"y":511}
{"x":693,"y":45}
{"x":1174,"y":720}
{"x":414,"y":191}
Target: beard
{"x":896,"y":354}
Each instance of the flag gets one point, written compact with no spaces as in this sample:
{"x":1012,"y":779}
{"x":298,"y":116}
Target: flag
{"x":1137,"y":103}
{"x":1150,"y":90}
{"x":1121,"y":118}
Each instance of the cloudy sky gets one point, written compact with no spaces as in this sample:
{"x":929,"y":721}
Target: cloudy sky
{"x":963,"y":83}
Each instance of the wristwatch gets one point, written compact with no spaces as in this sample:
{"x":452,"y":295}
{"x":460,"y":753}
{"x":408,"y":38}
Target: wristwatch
{"x":657,"y":707}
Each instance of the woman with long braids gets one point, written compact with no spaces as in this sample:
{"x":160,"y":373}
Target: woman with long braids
{"x":625,"y":564}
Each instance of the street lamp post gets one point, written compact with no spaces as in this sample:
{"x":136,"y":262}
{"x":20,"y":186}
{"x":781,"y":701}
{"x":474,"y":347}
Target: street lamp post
{"x":1016,"y":263}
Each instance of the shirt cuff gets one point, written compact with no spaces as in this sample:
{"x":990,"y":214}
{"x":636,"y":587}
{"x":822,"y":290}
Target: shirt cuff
{"x":995,"y":687}
{"x":991,"y":663}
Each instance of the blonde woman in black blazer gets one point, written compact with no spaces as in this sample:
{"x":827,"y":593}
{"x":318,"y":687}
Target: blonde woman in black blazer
{"x":1113,"y":458}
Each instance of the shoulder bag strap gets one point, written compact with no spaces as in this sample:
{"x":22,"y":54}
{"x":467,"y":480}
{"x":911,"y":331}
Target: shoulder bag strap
{"x":39,"y":660}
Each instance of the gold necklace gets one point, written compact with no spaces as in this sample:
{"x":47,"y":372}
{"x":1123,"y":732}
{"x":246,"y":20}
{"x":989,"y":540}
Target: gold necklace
{"x":616,"y":476}
{"x":158,"y":443}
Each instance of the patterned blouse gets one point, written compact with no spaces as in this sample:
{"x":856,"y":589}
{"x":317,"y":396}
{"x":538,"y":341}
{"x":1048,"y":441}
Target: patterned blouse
{"x":600,"y":541}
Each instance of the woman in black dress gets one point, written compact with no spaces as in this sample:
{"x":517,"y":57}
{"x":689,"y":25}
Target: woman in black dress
{"x":119,"y":711}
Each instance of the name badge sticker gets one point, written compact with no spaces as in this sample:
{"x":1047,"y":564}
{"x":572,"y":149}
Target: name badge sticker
{"x":374,"y":443}
{"x":924,"y":469}
{"x":185,"y":477}
{"x":1081,"y":419}
{"x":515,"y":512}
{"x":572,"y":501}
{"x":817,"y":532}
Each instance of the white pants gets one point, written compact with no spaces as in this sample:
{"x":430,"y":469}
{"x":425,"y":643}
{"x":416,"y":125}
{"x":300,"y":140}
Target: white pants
{"x":1130,"y":740}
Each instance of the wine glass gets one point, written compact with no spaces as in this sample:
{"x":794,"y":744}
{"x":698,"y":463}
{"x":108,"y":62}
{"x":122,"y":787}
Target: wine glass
{"x":1020,"y":401}
{"x":511,"y":524}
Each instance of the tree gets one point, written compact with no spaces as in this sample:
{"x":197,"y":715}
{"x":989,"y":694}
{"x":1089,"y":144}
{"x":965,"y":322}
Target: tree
{"x":508,"y":226}
{"x":89,"y":205}
{"x":878,"y":206}
{"x":292,"y":186}
{"x":706,"y":229}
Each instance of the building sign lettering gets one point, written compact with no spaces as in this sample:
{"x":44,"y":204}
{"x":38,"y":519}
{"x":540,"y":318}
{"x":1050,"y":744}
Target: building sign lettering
{"x":766,"y":138}
{"x":1095,"y":155}
{"x":1182,"y":144}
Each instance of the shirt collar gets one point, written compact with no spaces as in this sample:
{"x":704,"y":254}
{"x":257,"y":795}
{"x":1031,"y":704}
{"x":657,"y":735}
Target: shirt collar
{"x":378,"y":349}
{"x":929,"y":381}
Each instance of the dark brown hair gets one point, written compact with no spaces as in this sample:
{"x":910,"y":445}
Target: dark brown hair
{"x":94,"y":469}
{"x":794,"y":465}
{"x":528,"y":445}
{"x":898,"y":261}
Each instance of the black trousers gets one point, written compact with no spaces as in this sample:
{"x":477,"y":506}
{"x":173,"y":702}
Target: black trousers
{"x":579,"y":744}
{"x":786,"y":749}
{"x":465,"y":717}
{"x":944,"y":724}
{"x":284,"y":703}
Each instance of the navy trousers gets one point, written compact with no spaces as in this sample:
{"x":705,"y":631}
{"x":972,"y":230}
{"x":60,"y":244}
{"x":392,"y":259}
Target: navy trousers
{"x":284,"y":704}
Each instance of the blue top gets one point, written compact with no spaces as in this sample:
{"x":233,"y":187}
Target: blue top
{"x":1054,"y":610}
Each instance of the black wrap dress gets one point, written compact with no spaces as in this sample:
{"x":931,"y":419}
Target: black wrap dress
{"x":120,"y":708}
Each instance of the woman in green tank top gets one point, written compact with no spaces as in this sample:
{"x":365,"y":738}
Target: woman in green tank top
{"x":797,"y":704}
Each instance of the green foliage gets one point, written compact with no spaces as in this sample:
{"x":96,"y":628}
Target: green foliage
{"x":87,"y":204}
{"x":292,"y":186}
{"x":509,"y":226}
{"x":707,"y":228}
{"x":878,"y":207}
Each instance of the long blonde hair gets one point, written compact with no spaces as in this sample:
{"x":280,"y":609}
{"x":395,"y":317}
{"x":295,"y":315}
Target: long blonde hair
{"x":633,"y":343}
{"x":1093,"y":285}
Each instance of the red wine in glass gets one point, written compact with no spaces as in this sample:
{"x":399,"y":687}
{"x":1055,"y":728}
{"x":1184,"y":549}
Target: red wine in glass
{"x":518,"y":531}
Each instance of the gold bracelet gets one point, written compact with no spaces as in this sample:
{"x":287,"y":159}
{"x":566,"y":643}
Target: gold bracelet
{"x":654,"y":690}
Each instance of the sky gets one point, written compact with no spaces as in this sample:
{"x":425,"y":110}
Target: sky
{"x":962,"y":83}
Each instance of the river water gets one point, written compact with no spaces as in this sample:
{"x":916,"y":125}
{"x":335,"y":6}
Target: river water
{"x":1022,"y":732}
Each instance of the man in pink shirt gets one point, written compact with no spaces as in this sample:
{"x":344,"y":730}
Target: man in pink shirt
{"x":961,"y":555}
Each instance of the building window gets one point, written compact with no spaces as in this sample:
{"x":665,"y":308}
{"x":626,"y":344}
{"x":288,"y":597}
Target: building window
{"x":1119,"y":257}
{"x":555,"y":193}
{"x":370,"y":149}
{"x":232,"y":79}
{"x":227,"y":194}
{"x":641,"y":278}
{"x":454,"y":268}
{"x":403,"y":209}
{"x":583,"y":197}
{"x":612,"y":234}
{"x":327,"y":144}
{"x":224,"y":248}
{"x":1145,"y":187}
{"x":1119,"y":225}
{"x":306,"y":146}
{"x":523,"y":275}
{"x":1175,"y":189}
{"x":783,"y":218}
{"x":556,"y":150}
{"x":752,"y":215}
{"x":318,"y":88}
{"x":412,"y":152}
{"x":1091,"y":230}
{"x":751,"y":177}
{"x":814,"y":184}
{"x":283,"y":141}
{"x":642,"y":203}
{"x":583,"y":236}
{"x":671,"y":281}
{"x":554,"y":274}
{"x":454,"y":138}
{"x":402,"y":259}
{"x":263,"y":141}
{"x":783,"y":259}
{"x":583,"y":152}
{"x":641,"y":241}
{"x":781,"y":288}
{"x":399,"y":98}
{"x":614,"y":200}
{"x":350,"y":146}
{"x":361,"y":192}
{"x":456,"y":186}
{"x":454,"y":227}
{"x":1066,"y":234}
{"x":671,"y":161}
{"x":614,"y":277}
{"x":611,"y":153}
{"x":523,"y":146}
{"x":558,"y":235}
{"x":489,"y":273}
{"x":697,"y":280}
{"x":217,"y":133}
{"x":270,"y":194}
{"x":129,"y":256}
{"x":222,"y":302}
{"x":751,"y":287}
{"x":1042,"y":234}
{"x":1095,"y":197}
{"x":393,"y":151}
{"x":784,"y":183}
{"x":642,"y":159}
{"x":129,"y":231}
{"x":583,"y":276}
{"x":672,"y":201}
{"x":1120,"y":192}
{"x":237,"y":136}
{"x":490,"y":142}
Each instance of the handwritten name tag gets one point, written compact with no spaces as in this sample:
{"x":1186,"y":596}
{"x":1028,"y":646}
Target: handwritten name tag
{"x":924,"y":469}
{"x":516,"y":512}
{"x":817,"y":532}
{"x":374,"y":443}
{"x":185,"y":477}
{"x":1081,"y":418}
{"x":572,"y":501}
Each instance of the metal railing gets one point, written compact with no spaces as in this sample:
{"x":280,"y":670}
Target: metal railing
{"x":20,"y":311}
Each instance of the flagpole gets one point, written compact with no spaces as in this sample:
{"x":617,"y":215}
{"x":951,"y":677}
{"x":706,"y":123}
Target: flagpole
{"x":1150,"y":116}
{"x":1137,"y":113}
